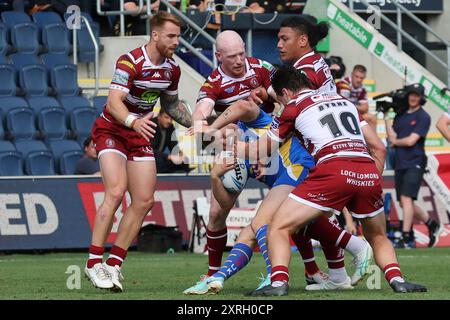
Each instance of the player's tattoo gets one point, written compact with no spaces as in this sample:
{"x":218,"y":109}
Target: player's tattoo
{"x":176,"y":109}
{"x":225,"y":114}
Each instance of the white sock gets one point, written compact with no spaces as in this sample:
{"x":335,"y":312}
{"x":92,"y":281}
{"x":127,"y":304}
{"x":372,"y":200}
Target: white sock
{"x":355,"y":245}
{"x":338,"y":275}
{"x":399,"y":279}
{"x":277,"y":284}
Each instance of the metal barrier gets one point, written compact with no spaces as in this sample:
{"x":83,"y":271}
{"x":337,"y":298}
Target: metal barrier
{"x":400,"y":32}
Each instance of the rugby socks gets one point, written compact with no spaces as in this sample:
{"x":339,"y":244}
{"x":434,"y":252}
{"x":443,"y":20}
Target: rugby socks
{"x":95,"y":255}
{"x":335,"y":261}
{"x":216,"y":242}
{"x":330,"y":233}
{"x":305,"y":248}
{"x":392,"y":272}
{"x":261,"y":237}
{"x":238,"y":258}
{"x":280,"y":275}
{"x":116,"y":256}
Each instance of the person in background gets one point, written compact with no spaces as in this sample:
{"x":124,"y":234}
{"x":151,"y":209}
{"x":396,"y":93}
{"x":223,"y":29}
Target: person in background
{"x":165,"y":139}
{"x":89,"y":163}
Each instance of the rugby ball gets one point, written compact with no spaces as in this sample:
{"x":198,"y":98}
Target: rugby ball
{"x":234,"y":180}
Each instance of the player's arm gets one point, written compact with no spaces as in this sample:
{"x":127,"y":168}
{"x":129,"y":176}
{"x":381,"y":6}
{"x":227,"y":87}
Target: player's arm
{"x":116,"y":107}
{"x":258,"y":149}
{"x":376,"y":147}
{"x":221,"y":166}
{"x":172,"y":105}
{"x":203,"y":110}
{"x":443,"y":124}
{"x":240,"y":110}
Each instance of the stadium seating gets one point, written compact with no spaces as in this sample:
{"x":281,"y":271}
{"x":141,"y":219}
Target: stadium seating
{"x":64,"y":80}
{"x":54,"y":33}
{"x":20,"y":124}
{"x":24,"y":38}
{"x":71,"y":103}
{"x":52,"y":123}
{"x":4,"y":46}
{"x":99,"y":103}
{"x":9,"y":103}
{"x":66,"y":154}
{"x":54,"y":59}
{"x":8,"y":80}
{"x":81,"y":121}
{"x":40,"y":103}
{"x":11,"y":163}
{"x":20,"y":60}
{"x":33,"y":80}
{"x":2,"y":131}
{"x":38,"y":159}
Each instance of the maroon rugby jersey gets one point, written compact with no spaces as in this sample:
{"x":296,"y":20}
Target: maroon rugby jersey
{"x":223,"y":90}
{"x":317,"y":71}
{"x":355,"y":95}
{"x":143,"y":81}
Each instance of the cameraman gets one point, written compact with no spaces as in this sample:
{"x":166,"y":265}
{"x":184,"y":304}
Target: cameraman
{"x":407,"y":135}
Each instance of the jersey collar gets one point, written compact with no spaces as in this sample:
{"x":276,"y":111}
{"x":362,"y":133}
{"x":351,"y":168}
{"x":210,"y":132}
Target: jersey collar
{"x":248,"y":73}
{"x":304,"y":57}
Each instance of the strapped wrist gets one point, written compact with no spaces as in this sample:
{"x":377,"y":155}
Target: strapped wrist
{"x":130,"y":120}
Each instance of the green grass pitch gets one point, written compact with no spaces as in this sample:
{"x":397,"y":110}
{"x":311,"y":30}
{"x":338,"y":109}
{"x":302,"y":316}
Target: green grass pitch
{"x":165,"y":276}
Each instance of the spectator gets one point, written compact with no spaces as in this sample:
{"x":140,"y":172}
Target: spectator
{"x":407,"y":135}
{"x":136,"y":23}
{"x":172,"y":161}
{"x":89,"y":163}
{"x":352,"y":88}
{"x":265,"y":6}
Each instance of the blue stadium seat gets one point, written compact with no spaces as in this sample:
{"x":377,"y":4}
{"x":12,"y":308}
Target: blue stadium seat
{"x":81,"y":121}
{"x":20,"y":124}
{"x":11,"y":18}
{"x":24,"y":38}
{"x":99,"y":103}
{"x":2,"y":131}
{"x":9,"y":103}
{"x":6,"y":146}
{"x":86,"y":49}
{"x":52,"y":123}
{"x":66,"y":154}
{"x":8,"y":80}
{"x":38,"y":159}
{"x":55,"y":38}
{"x":3,"y":59}
{"x":39,"y":103}
{"x":64,"y":80}
{"x":33,"y":80}
{"x":71,"y":103}
{"x":5,"y":48}
{"x":55,"y":59}
{"x":20,"y":60}
{"x":11,"y":163}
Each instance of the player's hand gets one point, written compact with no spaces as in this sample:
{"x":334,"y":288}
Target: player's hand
{"x":259,"y":170}
{"x":222,"y":165}
{"x":351,"y":228}
{"x":258,"y":95}
{"x":144,"y":126}
{"x":197,"y":127}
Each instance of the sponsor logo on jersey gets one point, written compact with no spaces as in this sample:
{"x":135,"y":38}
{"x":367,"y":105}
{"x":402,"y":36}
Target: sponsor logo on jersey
{"x":275,"y":124}
{"x":229,"y":89}
{"x":267,"y":65}
{"x":147,"y":149}
{"x":207,"y":85}
{"x":146,"y":74}
{"x":121,"y":77}
{"x":127,"y":63}
{"x":150,"y":96}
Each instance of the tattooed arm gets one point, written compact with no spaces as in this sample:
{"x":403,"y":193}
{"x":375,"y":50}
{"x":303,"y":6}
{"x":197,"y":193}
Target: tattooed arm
{"x":176,"y":109}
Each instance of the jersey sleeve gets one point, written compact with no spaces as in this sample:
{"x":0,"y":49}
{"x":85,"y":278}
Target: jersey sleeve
{"x":207,"y":92}
{"x":124,"y":74}
{"x":175,"y":79}
{"x":343,"y":89}
{"x":283,"y":125}
{"x":268,"y":72}
{"x":312,"y":77}
{"x":362,"y":96}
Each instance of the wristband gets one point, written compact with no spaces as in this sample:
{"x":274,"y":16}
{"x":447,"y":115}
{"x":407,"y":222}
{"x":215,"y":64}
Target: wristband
{"x":129,"y":121}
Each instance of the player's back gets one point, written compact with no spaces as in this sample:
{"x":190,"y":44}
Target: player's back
{"x":329,"y":125}
{"x":317,"y":71}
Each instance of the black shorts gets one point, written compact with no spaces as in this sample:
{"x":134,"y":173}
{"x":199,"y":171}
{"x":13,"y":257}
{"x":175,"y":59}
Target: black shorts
{"x":408,"y":182}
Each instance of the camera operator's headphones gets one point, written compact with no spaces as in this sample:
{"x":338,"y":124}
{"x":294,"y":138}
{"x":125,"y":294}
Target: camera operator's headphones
{"x":419,"y":89}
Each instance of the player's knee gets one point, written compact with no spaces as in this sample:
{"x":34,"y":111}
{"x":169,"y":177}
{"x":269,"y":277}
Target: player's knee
{"x":116,"y":193}
{"x":144,"y":204}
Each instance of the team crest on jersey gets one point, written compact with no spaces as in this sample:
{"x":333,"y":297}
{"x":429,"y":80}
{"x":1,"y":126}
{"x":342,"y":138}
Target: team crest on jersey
{"x":167,"y":74}
{"x":147,"y":149}
{"x":150,"y":96}
{"x":254,"y":83}
{"x":110,"y":143}
{"x":229,"y":89}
